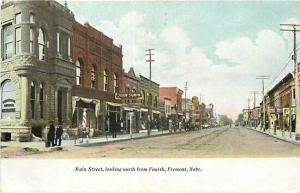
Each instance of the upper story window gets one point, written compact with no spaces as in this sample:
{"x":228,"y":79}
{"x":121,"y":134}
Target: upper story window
{"x":7,"y":41}
{"x":18,"y":18}
{"x":106,"y":80}
{"x":115,"y":83}
{"x":69,"y":47}
{"x":93,"y":77}
{"x":78,"y":72}
{"x":59,"y":43}
{"x":42,"y":44}
{"x":18,"y":40}
{"x":31,"y":18}
{"x":31,"y":43}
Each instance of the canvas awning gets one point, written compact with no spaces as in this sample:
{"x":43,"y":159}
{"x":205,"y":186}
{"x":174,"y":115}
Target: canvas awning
{"x":114,"y":104}
{"x":86,"y":100}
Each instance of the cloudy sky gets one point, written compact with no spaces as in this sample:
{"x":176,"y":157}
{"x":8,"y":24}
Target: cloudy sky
{"x":218,"y":47}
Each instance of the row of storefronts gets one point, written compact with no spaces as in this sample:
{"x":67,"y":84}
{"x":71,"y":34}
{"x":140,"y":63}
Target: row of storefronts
{"x":279,"y":108}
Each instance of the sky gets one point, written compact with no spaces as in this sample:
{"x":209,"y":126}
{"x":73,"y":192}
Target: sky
{"x":218,"y":47}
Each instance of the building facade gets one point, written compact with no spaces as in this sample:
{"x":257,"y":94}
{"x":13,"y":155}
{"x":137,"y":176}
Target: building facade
{"x":131,"y":104}
{"x":99,"y":74}
{"x":37,"y":73}
{"x":175,"y":94}
{"x":280,"y":101}
{"x":150,"y":94}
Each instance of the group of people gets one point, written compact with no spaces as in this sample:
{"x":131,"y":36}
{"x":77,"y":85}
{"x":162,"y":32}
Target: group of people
{"x":54,"y":135}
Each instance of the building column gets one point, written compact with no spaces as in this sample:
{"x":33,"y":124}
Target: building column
{"x":24,"y":100}
{"x":55,"y":102}
{"x":69,"y":109}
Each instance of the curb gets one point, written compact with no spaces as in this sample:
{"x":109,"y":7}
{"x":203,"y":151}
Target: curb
{"x":282,"y":139}
{"x":126,"y":139}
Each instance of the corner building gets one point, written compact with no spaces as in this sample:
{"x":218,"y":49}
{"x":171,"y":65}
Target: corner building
{"x":37,"y":73}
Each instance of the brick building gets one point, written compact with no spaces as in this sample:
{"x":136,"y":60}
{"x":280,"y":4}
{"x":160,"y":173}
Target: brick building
{"x":37,"y":73}
{"x":99,"y":73}
{"x":175,"y":94}
{"x":280,"y":100}
{"x":131,"y":106}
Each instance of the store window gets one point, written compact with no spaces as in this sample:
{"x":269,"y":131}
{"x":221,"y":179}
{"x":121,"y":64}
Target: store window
{"x":8,"y":100}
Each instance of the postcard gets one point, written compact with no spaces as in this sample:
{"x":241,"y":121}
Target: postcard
{"x":149,"y":96}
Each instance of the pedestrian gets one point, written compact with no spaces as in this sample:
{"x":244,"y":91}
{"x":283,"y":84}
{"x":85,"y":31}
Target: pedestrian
{"x":59,"y":132}
{"x":51,"y":134}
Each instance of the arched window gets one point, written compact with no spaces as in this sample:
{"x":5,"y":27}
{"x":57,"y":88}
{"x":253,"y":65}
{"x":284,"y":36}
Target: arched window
{"x":106,"y":75}
{"x":115,"y":83}
{"x":8,"y":100}
{"x":41,"y":100}
{"x":93,"y":77}
{"x":32,"y":98}
{"x":78,"y":72}
{"x":42,"y":44}
{"x":144,"y":97}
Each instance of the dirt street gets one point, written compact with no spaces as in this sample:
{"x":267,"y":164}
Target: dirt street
{"x":216,"y":142}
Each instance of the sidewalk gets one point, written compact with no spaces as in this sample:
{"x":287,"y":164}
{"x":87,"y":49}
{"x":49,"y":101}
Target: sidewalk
{"x":285,"y":136}
{"x":90,"y":141}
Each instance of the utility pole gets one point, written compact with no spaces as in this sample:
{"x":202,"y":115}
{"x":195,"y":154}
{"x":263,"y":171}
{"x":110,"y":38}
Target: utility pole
{"x":263,"y":78}
{"x":185,"y":100}
{"x":254,"y":106}
{"x":296,"y":72}
{"x":150,"y":60}
{"x":202,"y":110}
{"x":248,"y":112}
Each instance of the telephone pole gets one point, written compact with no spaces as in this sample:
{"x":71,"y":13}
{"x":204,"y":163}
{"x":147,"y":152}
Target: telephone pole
{"x":185,"y":100}
{"x":263,"y":78}
{"x":248,"y":112}
{"x":296,"y":72}
{"x":150,"y":60}
{"x":254,"y":106}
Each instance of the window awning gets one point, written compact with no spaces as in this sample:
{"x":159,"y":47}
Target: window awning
{"x":114,"y":104}
{"x":130,"y":109}
{"x":156,"y":112}
{"x":144,"y":110}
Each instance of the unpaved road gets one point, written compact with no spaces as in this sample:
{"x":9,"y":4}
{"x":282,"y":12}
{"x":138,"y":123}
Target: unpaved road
{"x":216,"y":142}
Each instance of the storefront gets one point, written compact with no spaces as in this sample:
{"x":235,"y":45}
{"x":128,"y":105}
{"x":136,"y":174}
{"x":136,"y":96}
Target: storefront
{"x":86,"y":115}
{"x":130,"y":116}
{"x":113,"y":117}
